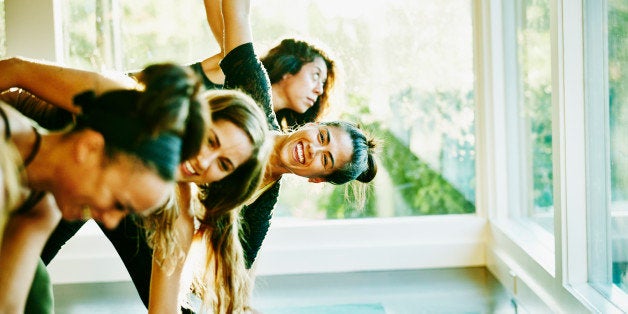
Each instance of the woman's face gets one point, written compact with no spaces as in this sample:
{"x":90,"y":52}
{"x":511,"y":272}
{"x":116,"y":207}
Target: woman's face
{"x":316,"y":151}
{"x":303,"y":88}
{"x":107,"y":191}
{"x":228,"y":147}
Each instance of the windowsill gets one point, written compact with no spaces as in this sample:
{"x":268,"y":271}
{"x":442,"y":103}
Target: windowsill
{"x":534,"y":240}
{"x":297,"y":246}
{"x":602,"y":299}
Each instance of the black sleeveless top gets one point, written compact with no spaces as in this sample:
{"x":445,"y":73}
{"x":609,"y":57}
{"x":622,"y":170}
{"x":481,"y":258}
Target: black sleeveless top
{"x":35,"y":196}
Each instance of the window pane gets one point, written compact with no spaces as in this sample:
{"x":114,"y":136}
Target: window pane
{"x":407,"y":77}
{"x":130,"y":34}
{"x":535,"y":105}
{"x":618,"y":102}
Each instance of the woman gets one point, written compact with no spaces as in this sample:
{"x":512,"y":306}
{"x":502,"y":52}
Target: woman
{"x":231,"y":163}
{"x":302,"y":74}
{"x":140,"y":138}
{"x":334,"y":152}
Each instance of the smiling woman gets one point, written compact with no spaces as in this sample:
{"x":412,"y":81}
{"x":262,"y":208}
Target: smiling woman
{"x":129,"y":141}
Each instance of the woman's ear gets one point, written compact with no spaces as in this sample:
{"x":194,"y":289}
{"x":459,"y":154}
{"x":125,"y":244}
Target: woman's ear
{"x":316,"y":180}
{"x":89,"y":145}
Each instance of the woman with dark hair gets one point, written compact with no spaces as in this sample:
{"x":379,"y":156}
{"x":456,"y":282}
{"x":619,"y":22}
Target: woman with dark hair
{"x":302,"y":74}
{"x":139,"y":138}
{"x":211,"y":183}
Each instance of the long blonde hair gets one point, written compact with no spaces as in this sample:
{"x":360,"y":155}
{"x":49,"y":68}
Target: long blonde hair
{"x":222,"y":283}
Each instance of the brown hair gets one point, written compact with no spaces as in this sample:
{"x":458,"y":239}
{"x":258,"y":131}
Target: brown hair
{"x":288,"y":58}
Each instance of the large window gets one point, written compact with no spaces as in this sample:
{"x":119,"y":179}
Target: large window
{"x":407,"y":78}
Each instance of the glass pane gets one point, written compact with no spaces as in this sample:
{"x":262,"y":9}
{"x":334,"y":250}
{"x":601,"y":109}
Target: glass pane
{"x":535,"y":103}
{"x":3,"y":34}
{"x":130,"y":34}
{"x":407,"y":77}
{"x":618,"y":102}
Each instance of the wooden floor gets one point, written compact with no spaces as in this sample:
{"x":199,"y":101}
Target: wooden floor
{"x":457,"y":290}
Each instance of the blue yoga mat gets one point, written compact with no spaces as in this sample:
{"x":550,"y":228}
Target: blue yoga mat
{"x":330,"y":309}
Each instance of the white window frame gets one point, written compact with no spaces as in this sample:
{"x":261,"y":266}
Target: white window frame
{"x":510,"y":256}
{"x":418,"y":242}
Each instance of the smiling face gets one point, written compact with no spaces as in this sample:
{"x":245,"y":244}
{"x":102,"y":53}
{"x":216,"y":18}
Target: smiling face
{"x":302,"y":89}
{"x":315,"y":151}
{"x":227,"y":148}
{"x":109,"y":190}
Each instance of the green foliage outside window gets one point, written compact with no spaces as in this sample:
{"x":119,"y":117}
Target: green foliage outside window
{"x":534,"y":58}
{"x":618,"y":96}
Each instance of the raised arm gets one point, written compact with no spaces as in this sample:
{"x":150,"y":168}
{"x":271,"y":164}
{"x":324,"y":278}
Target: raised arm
{"x":237,"y":23}
{"x":213,"y":11}
{"x":56,"y":84}
{"x":243,"y":69}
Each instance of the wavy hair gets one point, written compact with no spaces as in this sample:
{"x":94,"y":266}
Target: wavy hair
{"x":288,"y":57}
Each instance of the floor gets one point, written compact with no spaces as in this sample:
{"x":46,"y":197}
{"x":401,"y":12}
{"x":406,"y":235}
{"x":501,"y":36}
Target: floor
{"x":457,"y":290}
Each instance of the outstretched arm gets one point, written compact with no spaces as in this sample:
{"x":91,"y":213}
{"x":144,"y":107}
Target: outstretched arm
{"x":24,"y":237}
{"x":165,"y":285}
{"x":56,"y":84}
{"x":213,"y":11}
{"x":211,"y":65}
{"x":243,"y":69}
{"x":237,"y":23}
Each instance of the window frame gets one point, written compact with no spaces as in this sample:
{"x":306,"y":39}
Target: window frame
{"x":518,"y":267}
{"x":433,"y":241}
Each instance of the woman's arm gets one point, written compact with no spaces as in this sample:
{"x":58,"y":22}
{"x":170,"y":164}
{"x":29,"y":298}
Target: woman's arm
{"x":236,"y":14}
{"x":57,"y":84}
{"x":211,"y":65}
{"x":243,"y":69}
{"x":24,"y":237}
{"x":48,"y":116}
{"x":213,"y":11}
{"x":164,"y":285}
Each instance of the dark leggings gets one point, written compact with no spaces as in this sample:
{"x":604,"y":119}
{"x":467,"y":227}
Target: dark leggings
{"x":129,"y":241}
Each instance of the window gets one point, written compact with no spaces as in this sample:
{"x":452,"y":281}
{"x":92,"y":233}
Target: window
{"x":127,"y":35}
{"x":412,"y":89}
{"x":534,"y":100}
{"x":618,"y":109}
